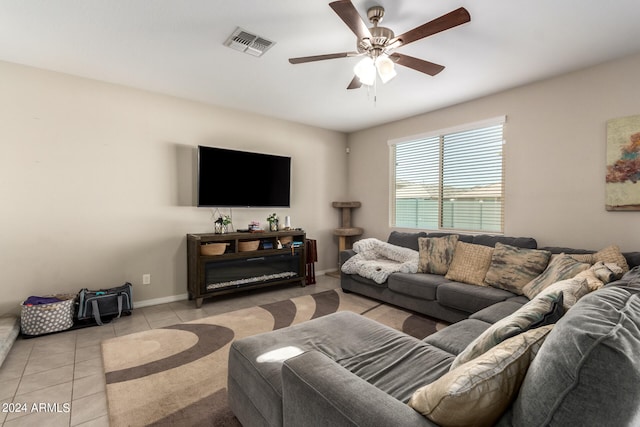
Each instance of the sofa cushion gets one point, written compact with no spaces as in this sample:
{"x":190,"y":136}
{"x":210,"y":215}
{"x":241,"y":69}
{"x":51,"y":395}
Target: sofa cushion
{"x":456,"y":337}
{"x":392,"y":361}
{"x":469,"y":298}
{"x":543,"y":310}
{"x":512,"y":267}
{"x":611,"y":254}
{"x":588,"y":368}
{"x":478,"y":392}
{"x":436,"y":253}
{"x":560,"y":267}
{"x":467,"y":238}
{"x":470,"y":263}
{"x":497,"y":311}
{"x":366,"y":281}
{"x":407,"y":240}
{"x":419,"y":285}
{"x":491,"y":240}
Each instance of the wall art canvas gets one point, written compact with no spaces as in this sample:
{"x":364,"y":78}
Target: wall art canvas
{"x":623,"y":164}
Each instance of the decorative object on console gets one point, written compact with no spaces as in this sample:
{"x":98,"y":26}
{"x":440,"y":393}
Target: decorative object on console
{"x":221,"y":223}
{"x":273,"y":222}
{"x":623,"y":164}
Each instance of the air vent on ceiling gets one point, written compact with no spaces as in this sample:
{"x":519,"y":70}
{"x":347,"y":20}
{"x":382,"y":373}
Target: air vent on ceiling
{"x":246,"y":42}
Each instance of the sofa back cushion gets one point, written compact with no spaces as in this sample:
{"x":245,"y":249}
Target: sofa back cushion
{"x":407,"y":240}
{"x":519,"y":242}
{"x":588,"y":370}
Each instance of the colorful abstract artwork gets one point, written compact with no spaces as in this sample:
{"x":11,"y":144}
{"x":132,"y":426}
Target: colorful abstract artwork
{"x":623,"y":164}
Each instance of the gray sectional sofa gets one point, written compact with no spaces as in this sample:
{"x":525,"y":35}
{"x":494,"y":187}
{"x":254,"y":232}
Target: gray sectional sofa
{"x":433,"y":294}
{"x":346,"y":370}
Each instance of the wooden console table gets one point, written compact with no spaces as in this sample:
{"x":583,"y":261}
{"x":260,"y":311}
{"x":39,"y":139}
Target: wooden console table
{"x":237,"y":269}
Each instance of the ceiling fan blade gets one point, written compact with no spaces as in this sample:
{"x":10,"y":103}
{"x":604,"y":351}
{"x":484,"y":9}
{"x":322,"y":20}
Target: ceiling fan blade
{"x":450,"y":20}
{"x":348,"y":13}
{"x":417,"y":64}
{"x":355,"y":83}
{"x":304,"y":59}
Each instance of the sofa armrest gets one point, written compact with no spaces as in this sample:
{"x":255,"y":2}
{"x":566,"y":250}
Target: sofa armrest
{"x":316,"y":391}
{"x":345,"y":255}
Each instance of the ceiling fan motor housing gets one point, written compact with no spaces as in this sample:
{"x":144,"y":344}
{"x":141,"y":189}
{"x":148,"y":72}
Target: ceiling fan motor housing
{"x":380,"y":36}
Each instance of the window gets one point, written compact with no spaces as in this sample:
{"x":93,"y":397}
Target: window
{"x":450,"y":179}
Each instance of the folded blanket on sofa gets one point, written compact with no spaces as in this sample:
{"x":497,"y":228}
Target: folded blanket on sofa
{"x":376,"y":260}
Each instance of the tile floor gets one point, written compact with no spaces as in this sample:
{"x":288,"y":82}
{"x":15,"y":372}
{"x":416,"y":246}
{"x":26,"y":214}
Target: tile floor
{"x":58,"y":379}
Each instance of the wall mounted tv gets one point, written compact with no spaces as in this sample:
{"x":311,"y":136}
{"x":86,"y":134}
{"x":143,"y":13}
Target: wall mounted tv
{"x":231,"y":178}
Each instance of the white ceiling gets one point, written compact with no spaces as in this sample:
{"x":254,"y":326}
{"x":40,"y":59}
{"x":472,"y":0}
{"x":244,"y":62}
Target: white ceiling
{"x":176,"y":47}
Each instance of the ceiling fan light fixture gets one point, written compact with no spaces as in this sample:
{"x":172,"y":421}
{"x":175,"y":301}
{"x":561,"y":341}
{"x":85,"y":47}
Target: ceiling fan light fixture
{"x":366,"y":71}
{"x":386,"y":68}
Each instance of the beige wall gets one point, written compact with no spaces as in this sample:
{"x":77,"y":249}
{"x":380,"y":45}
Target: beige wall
{"x":554,"y":157}
{"x":97,"y":183}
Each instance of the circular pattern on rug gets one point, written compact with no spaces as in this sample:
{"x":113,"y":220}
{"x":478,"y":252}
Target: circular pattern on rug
{"x":210,"y":339}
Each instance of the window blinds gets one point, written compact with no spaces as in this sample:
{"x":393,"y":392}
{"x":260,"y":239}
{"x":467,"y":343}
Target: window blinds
{"x":452,"y":179}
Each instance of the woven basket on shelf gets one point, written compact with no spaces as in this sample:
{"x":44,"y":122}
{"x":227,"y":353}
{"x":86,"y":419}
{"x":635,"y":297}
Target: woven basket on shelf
{"x":213,"y":248}
{"x":286,"y":239}
{"x":249,"y":245}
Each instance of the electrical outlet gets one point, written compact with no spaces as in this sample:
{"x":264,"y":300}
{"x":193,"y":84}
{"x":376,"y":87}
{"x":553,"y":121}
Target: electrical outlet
{"x":146,"y":279}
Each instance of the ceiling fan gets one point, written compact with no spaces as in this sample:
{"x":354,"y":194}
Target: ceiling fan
{"x":377,"y":44}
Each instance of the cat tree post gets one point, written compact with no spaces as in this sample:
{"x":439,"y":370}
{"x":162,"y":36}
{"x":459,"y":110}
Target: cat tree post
{"x":346,"y":231}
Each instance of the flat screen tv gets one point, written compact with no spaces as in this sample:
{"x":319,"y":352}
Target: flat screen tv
{"x":232,"y":178}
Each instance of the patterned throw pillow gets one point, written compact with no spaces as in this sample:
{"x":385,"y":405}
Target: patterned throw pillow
{"x":436,"y":253}
{"x":542,"y":310}
{"x":600,"y":274}
{"x":470,"y":263}
{"x":572,"y":290}
{"x":561,"y":267}
{"x":478,"y":392}
{"x":611,"y":254}
{"x":588,"y":258}
{"x":512,"y":267}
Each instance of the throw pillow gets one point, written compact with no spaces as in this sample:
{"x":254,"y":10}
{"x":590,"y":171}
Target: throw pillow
{"x":612,"y":254}
{"x":588,"y":258}
{"x":512,"y":267}
{"x":478,"y":392}
{"x":540,"y":311}
{"x":436,"y":253}
{"x":572,"y":290}
{"x":561,"y":267}
{"x":600,"y":274}
{"x":470,"y":263}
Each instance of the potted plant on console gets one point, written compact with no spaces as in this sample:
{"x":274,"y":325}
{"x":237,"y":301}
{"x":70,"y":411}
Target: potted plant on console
{"x":273,"y":222}
{"x":221,"y":224}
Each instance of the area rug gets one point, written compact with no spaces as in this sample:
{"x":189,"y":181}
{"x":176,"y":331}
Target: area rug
{"x":177,"y":375}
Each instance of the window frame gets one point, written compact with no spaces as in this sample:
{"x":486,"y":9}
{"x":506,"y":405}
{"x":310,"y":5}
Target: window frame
{"x":440,"y":134}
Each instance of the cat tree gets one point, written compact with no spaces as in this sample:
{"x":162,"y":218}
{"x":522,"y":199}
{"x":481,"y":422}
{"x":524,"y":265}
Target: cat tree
{"x":345,"y":232}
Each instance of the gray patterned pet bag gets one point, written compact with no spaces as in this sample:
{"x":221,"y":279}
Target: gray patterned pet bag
{"x":44,"y":315}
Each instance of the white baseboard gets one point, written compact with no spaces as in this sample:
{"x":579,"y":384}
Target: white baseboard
{"x":157,"y":301}
{"x":182,"y":297}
